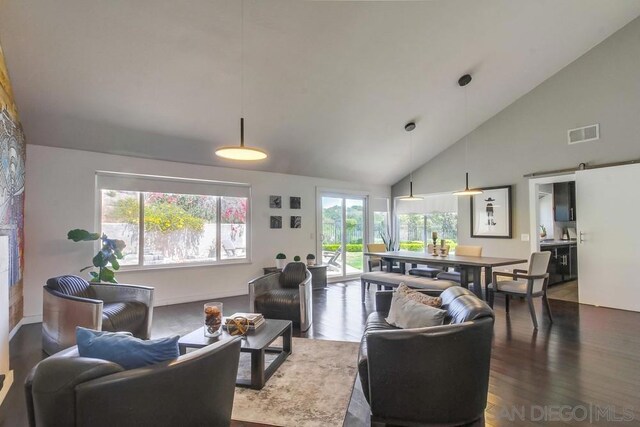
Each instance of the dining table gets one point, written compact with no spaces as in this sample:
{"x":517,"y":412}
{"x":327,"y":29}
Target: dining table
{"x":466,"y":265}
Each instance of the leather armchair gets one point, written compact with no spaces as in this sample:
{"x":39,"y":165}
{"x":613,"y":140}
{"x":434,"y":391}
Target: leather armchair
{"x":429,"y":376}
{"x":286,"y":295}
{"x":71,"y":301}
{"x":196,"y":389}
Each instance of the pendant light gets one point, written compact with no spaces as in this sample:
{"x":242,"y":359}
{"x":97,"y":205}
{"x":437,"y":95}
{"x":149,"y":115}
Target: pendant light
{"x":463,"y":82}
{"x":409,"y":127}
{"x":241,"y":152}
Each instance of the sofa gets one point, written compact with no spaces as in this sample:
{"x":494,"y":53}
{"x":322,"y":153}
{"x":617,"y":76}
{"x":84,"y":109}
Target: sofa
{"x":196,"y":389}
{"x":70,"y":301}
{"x":435,"y":375}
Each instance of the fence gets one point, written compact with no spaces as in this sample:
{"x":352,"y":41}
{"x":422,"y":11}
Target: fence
{"x":332,"y":233}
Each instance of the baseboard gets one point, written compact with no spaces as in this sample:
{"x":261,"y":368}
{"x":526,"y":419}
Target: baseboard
{"x":198,"y":297}
{"x":16,"y":328}
{"x":8,"y":380}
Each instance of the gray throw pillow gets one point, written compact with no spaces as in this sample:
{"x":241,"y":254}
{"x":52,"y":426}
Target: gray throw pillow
{"x":406,"y":313}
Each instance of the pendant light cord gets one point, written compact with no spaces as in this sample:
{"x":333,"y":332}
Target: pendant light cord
{"x":466,"y":122}
{"x":241,"y":73}
{"x":410,"y":158}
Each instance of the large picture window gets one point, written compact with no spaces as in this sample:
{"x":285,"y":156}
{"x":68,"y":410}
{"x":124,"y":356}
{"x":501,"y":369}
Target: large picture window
{"x":174,"y":228}
{"x":417,"y":220}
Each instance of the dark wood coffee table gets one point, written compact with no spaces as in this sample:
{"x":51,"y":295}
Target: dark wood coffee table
{"x":257,"y":343}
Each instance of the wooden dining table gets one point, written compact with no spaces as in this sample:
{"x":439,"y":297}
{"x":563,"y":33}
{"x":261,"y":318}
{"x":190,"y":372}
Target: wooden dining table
{"x":466,"y":264}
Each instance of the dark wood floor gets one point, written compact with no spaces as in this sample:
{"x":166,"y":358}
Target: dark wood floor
{"x":588,"y":357}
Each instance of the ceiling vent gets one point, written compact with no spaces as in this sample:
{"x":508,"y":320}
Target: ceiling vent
{"x":583,"y":134}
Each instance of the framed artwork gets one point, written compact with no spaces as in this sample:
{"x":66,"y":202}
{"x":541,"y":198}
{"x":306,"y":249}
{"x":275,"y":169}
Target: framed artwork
{"x":295,"y":202}
{"x":296,"y":222}
{"x":275,"y":202}
{"x":491,"y":213}
{"x":276,"y":222}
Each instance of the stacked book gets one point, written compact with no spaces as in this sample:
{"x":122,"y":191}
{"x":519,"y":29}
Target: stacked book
{"x":256,"y":320}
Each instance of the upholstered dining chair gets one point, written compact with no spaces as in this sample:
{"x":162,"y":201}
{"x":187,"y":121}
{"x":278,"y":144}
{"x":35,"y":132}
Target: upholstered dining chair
{"x":375,"y":261}
{"x":285,"y":295}
{"x":461,"y":250}
{"x":70,"y":301}
{"x":530,"y":283}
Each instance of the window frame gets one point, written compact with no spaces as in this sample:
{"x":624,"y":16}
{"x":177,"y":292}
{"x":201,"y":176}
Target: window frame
{"x":140,"y":266}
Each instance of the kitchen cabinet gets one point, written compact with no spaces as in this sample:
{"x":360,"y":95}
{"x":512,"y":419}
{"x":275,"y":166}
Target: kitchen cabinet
{"x":564,"y":201}
{"x":563,"y":264}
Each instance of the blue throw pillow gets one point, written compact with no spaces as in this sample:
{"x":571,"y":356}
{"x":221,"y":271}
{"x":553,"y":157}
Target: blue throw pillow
{"x":125,"y":349}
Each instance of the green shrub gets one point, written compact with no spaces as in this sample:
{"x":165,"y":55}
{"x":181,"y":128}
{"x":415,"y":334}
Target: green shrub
{"x":414,"y":246}
{"x":354,"y":247}
{"x":351,"y":247}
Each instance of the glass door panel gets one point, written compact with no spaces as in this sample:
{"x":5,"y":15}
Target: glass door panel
{"x":332,"y":224}
{"x":354,"y":236}
{"x":343,"y":235}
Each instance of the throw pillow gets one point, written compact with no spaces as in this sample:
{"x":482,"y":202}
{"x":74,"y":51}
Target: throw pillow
{"x":419,"y":296}
{"x":406,"y":313}
{"x":125,"y":349}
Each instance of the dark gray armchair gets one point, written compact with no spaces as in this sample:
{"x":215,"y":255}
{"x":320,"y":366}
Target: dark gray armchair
{"x":71,"y":301}
{"x":286,"y":295}
{"x":196,"y":389}
{"x":432,"y":376}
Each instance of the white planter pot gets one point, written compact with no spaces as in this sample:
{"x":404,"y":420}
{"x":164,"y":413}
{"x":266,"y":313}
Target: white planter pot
{"x":280,"y":263}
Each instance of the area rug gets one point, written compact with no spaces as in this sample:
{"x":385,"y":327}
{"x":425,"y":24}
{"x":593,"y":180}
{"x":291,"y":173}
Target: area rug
{"x":311,"y":388}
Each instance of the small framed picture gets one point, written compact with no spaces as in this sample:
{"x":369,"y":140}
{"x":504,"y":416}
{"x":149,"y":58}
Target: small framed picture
{"x":275,"y":202}
{"x":491,"y":213}
{"x":296,"y":222}
{"x":275,"y":222}
{"x":295,"y":202}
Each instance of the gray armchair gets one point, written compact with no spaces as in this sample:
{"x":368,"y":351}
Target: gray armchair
{"x":286,"y":295}
{"x":196,"y":389}
{"x":71,"y":301}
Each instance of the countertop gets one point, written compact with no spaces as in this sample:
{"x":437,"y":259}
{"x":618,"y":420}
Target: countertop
{"x":548,"y":243}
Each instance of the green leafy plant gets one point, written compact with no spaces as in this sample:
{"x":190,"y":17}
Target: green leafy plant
{"x":281,"y":256}
{"x":296,"y":258}
{"x":388,"y":239}
{"x":106,"y":260}
{"x":311,"y":256}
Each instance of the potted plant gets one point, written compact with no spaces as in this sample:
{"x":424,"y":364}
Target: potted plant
{"x":108,"y":255}
{"x":543,"y":231}
{"x":281,"y":260}
{"x":296,"y":258}
{"x":311,"y":259}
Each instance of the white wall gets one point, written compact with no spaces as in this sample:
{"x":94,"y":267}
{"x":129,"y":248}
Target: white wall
{"x":60,"y":196}
{"x":530,"y":135}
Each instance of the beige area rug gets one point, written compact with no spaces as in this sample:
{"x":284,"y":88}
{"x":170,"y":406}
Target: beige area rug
{"x":311,"y":388}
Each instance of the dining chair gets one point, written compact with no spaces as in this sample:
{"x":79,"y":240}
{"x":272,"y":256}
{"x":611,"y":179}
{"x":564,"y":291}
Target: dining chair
{"x":375,"y":261}
{"x":530,"y":283}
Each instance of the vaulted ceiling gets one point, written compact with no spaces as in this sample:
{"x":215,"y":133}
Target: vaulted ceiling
{"x":328,"y":85}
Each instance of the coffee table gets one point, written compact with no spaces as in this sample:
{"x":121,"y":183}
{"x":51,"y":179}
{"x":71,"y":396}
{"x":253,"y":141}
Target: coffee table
{"x":257,"y":343}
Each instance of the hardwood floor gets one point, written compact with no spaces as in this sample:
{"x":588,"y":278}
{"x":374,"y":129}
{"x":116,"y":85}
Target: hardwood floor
{"x":564,"y":291}
{"x":588,"y":357}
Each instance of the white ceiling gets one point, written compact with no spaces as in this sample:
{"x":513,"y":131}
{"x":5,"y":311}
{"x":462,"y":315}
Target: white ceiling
{"x":328,"y":85}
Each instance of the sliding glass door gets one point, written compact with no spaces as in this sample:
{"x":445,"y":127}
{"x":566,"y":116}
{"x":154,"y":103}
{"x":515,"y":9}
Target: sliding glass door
{"x":343,"y":234}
